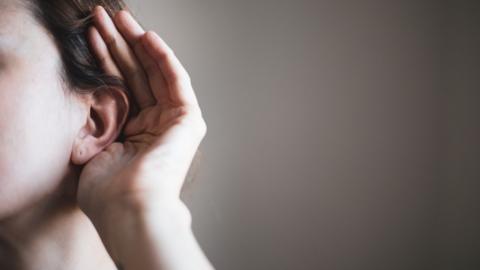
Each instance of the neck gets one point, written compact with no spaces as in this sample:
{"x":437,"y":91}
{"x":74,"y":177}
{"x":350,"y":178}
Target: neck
{"x":53,"y":234}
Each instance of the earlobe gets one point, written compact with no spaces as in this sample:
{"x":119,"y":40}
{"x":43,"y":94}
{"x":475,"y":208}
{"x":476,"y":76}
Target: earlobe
{"x":107,"y":114}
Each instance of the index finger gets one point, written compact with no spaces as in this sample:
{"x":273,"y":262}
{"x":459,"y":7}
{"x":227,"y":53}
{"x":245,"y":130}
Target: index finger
{"x":125,"y":58}
{"x":177,"y":78}
{"x":133,"y":32}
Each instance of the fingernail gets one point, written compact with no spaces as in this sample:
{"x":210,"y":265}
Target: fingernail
{"x":104,"y":13}
{"x":147,"y":38}
{"x":97,"y":8}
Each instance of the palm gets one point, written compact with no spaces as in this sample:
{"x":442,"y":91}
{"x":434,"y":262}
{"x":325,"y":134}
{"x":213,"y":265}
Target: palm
{"x":161,"y":140}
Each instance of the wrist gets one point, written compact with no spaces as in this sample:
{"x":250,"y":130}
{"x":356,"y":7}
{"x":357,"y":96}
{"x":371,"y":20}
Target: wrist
{"x":121,"y":224}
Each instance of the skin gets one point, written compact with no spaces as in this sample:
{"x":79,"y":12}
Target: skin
{"x":68,"y":191}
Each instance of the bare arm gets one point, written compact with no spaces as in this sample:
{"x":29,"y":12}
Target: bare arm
{"x":131,"y":190}
{"x":162,"y":239}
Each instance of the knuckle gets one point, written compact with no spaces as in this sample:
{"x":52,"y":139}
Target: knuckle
{"x":199,"y":125}
{"x":186,"y":214}
{"x":163,"y":56}
{"x":203,"y":127}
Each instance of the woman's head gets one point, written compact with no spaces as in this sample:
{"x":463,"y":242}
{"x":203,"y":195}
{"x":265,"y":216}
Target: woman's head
{"x":55,"y":101}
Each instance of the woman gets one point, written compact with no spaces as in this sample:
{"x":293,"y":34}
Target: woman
{"x":99,"y":125}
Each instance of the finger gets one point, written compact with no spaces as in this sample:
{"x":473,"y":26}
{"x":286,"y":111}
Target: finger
{"x":175,"y":74}
{"x":123,"y":55}
{"x":101,"y":52}
{"x":132,"y":32}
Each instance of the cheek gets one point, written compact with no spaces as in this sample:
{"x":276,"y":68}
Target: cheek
{"x":35,"y":142}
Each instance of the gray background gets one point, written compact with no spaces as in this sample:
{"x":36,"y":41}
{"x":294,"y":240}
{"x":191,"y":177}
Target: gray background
{"x":341,"y":134}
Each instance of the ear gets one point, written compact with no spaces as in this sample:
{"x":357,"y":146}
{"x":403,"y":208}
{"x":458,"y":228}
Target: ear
{"x":107,"y":113}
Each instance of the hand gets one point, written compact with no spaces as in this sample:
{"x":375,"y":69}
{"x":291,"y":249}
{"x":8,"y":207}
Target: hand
{"x":145,"y":172}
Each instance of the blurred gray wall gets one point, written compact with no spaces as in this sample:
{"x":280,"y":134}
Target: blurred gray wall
{"x":341,"y":134}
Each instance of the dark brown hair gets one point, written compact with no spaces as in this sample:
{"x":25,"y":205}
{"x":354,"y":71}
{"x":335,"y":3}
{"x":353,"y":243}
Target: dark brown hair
{"x":68,"y":22}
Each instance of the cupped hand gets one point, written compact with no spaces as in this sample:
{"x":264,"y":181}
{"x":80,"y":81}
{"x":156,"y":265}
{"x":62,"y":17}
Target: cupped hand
{"x":148,"y":168}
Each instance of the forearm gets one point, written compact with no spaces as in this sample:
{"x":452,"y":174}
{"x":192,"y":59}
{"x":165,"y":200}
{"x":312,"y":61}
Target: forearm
{"x":153,"y":240}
